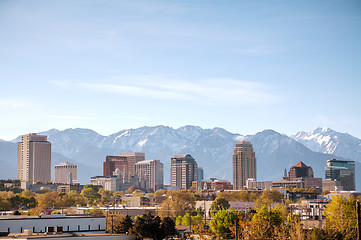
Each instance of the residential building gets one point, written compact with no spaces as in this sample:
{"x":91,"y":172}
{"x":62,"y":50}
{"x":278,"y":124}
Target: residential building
{"x":132,"y":159}
{"x":113,"y":162}
{"x":34,"y":158}
{"x":244,"y":164}
{"x":65,"y":173}
{"x":152,"y":171}
{"x":343,"y":171}
{"x":184,"y":170}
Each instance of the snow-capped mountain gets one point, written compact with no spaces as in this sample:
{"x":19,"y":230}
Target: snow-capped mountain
{"x":328,"y":141}
{"x":212,"y":149}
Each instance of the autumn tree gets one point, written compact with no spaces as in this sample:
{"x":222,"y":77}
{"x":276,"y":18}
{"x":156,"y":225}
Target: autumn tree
{"x":341,"y":218}
{"x":178,"y":203}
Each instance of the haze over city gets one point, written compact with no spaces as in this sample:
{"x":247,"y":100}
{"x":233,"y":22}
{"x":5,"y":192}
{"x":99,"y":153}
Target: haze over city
{"x":241,"y":65}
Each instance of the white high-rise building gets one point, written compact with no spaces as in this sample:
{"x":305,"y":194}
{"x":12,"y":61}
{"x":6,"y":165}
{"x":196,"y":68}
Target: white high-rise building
{"x":65,"y":173}
{"x":152,"y":172}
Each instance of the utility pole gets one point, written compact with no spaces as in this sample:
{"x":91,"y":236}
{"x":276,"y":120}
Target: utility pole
{"x":358,"y":216}
{"x":236,"y":230}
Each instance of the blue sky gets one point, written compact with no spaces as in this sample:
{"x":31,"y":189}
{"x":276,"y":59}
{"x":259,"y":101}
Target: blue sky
{"x":241,"y":65}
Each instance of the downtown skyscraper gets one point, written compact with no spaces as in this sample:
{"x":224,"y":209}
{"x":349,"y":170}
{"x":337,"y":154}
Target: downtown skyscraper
{"x":244,"y":164}
{"x":34,"y":158}
{"x":184,"y":170}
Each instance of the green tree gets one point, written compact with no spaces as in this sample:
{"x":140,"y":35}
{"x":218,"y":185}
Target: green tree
{"x":222,"y":222}
{"x":148,"y":226}
{"x":168,"y":227}
{"x":91,"y":193}
{"x":265,"y":221}
{"x":218,"y":204}
{"x":341,"y":218}
{"x":125,"y":225}
{"x":77,"y":198}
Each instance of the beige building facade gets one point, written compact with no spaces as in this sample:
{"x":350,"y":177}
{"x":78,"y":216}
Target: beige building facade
{"x":132,"y":159}
{"x":244,"y":164}
{"x":65,"y":173}
{"x":34,"y":158}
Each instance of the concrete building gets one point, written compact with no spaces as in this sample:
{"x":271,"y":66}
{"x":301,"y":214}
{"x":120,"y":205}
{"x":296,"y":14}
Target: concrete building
{"x":212,"y":184}
{"x":152,"y":171}
{"x":251,"y":183}
{"x":34,"y":158}
{"x":113,"y":162}
{"x":343,"y":171}
{"x":184,"y":170}
{"x":108,"y":183}
{"x":244,"y":164}
{"x":49,"y":223}
{"x":331,"y":185}
{"x":65,"y":173}
{"x":132,"y":159}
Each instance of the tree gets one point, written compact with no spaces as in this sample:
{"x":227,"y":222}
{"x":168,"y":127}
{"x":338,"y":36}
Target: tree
{"x":218,"y":204}
{"x":268,"y":197}
{"x":222,"y":222}
{"x":341,"y":218}
{"x":49,"y":200}
{"x":265,"y":221}
{"x":125,"y":225}
{"x":91,"y":193}
{"x":77,"y":198}
{"x":148,"y":226}
{"x":105,"y":195}
{"x":168,"y":227}
{"x":178,"y":203}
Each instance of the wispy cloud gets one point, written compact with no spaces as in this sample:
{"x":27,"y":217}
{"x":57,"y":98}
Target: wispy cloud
{"x":69,"y":117}
{"x":9,"y":104}
{"x":213,"y":91}
{"x":262,"y":50}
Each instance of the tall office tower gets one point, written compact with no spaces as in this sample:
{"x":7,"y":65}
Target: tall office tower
{"x":184,"y":170}
{"x":200,"y":174}
{"x":152,"y":172}
{"x":300,"y":170}
{"x":343,"y":171}
{"x":65,"y":173}
{"x":244,"y":164}
{"x":34,"y":158}
{"x":133,"y":158}
{"x":112,"y":163}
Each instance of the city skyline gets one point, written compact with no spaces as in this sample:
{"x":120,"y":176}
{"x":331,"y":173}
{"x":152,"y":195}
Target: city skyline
{"x":110,"y":65}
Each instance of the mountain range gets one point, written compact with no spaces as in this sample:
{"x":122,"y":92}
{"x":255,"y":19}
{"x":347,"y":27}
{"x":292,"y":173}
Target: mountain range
{"x":212,"y":149}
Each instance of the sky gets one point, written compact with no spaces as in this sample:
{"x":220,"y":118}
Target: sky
{"x":244,"y":66}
